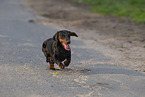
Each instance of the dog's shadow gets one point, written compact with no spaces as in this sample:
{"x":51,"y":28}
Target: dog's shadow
{"x":71,"y":70}
{"x":99,"y":69}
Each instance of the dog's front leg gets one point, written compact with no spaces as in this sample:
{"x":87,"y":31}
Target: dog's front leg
{"x":56,"y":59}
{"x":60,"y":65}
{"x":67,"y":62}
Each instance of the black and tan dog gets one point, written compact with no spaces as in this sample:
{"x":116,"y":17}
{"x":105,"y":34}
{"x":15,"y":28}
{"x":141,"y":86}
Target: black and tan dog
{"x":57,"y":49}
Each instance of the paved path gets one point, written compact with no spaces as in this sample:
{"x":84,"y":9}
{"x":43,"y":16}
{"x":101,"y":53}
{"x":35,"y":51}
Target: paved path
{"x":24,"y":73}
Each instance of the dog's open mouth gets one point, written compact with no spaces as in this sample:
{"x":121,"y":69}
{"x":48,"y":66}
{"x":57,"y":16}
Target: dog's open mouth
{"x":66,"y":46}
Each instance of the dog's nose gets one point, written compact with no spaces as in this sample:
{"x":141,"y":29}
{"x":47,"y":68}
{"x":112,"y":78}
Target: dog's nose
{"x":68,"y":42}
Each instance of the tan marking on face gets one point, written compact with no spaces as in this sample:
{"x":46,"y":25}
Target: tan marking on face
{"x":63,"y":40}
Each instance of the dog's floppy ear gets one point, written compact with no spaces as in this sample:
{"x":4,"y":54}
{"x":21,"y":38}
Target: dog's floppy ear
{"x":73,"y":34}
{"x":55,"y":37}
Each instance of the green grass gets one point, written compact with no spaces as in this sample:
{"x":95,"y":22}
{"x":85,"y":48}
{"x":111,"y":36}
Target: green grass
{"x":133,"y":9}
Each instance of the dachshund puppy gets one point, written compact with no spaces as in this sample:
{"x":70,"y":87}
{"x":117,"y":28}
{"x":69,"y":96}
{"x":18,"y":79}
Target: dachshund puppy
{"x":57,"y":49}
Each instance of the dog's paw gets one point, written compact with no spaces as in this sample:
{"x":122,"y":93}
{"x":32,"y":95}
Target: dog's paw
{"x":66,"y":64}
{"x":61,"y":66}
{"x":51,"y":67}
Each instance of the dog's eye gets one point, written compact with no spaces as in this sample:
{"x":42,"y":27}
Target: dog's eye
{"x":63,"y":36}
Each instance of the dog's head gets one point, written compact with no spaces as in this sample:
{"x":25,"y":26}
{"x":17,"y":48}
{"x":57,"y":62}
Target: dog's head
{"x":63,"y":37}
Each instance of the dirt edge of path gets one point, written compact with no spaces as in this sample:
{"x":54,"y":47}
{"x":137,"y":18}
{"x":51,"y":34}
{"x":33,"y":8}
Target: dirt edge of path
{"x":119,"y":38}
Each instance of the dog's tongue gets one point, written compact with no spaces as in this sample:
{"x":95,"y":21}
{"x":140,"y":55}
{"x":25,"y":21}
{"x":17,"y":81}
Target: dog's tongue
{"x":66,"y":47}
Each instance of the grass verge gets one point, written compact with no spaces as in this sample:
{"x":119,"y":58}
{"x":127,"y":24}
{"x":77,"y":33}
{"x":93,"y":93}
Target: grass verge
{"x":133,"y":9}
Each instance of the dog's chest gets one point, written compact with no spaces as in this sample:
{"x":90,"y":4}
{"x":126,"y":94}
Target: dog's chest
{"x":62,"y":55}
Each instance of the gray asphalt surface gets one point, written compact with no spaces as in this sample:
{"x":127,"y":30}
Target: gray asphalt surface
{"x":24,"y":72}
